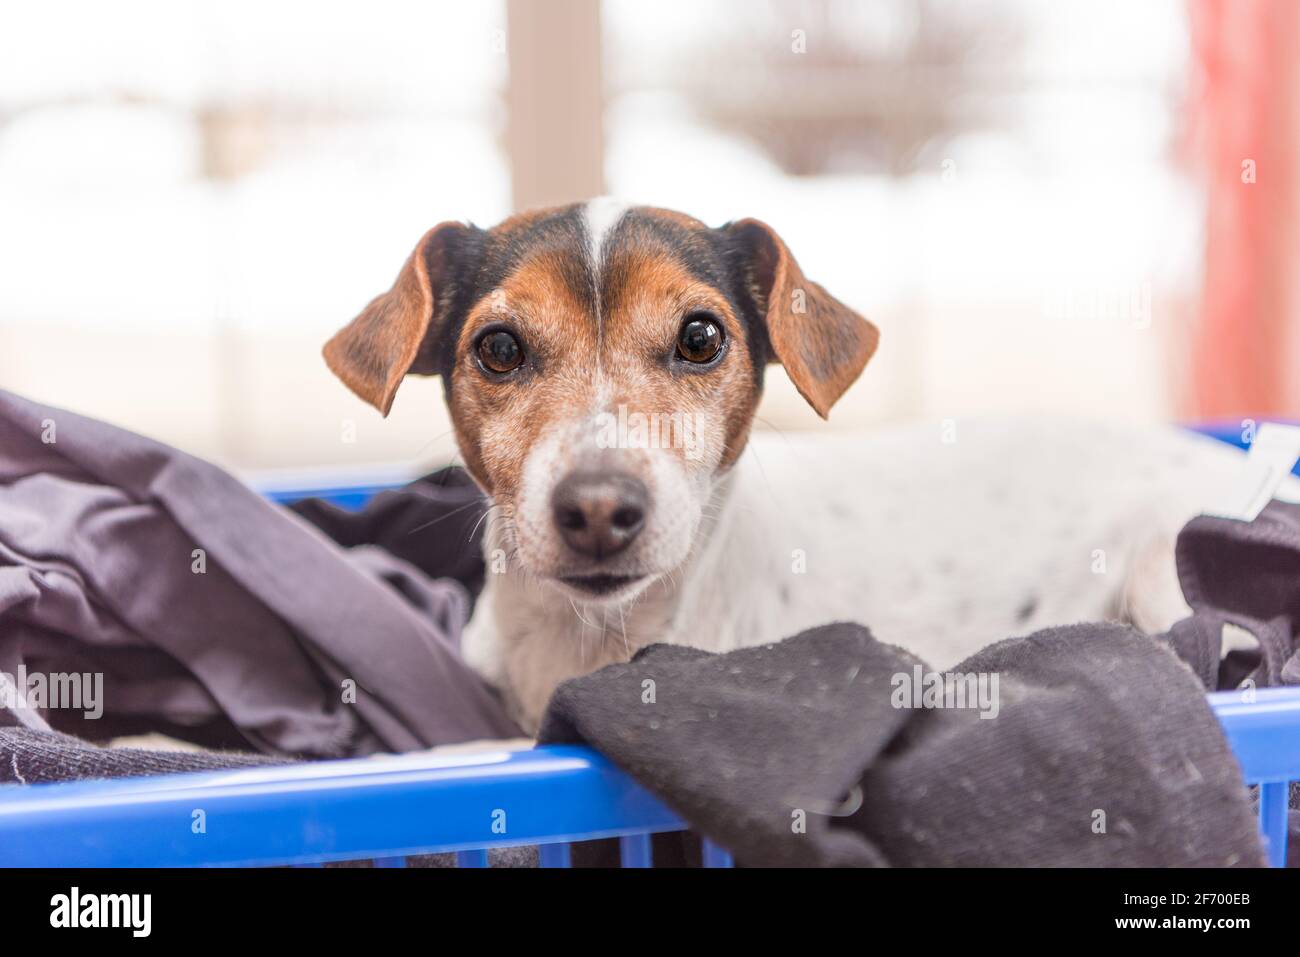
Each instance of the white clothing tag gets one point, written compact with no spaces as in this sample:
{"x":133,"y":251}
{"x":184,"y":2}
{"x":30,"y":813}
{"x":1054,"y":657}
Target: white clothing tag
{"x":1272,"y":456}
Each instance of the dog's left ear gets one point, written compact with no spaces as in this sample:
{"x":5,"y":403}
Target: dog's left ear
{"x":396,"y":333}
{"x":823,"y":344}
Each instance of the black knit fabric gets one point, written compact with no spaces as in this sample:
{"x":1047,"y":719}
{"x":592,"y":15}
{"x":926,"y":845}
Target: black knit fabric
{"x":39,"y":757}
{"x":1102,"y":752}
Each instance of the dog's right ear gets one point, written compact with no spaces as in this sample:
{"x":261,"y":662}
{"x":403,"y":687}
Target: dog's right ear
{"x":396,"y":333}
{"x":822,"y":343}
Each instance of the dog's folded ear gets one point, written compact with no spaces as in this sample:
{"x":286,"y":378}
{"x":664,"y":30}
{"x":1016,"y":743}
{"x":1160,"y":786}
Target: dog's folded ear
{"x":396,"y":333}
{"x":823,"y":344}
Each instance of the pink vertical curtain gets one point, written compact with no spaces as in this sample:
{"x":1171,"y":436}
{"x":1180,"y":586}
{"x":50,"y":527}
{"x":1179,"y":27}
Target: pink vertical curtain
{"x":1245,"y":351}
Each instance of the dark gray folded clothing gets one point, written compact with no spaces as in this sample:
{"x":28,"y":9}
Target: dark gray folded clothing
{"x":1246,"y":574}
{"x":1103,"y":752}
{"x":197,"y":600}
{"x":434,"y":523}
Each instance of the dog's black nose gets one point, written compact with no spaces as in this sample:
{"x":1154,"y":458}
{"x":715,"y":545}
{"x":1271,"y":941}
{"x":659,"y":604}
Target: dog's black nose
{"x":599,"y":513}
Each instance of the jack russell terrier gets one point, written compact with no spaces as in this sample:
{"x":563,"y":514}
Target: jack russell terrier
{"x":602,"y":365}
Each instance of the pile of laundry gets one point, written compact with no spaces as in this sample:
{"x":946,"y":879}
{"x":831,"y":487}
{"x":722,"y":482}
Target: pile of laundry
{"x":193,"y":607}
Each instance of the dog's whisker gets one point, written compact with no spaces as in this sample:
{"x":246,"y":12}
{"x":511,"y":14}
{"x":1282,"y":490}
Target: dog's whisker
{"x":437,"y":438}
{"x":766,"y":423}
{"x":445,"y":516}
{"x":767,"y":484}
{"x":622,"y":627}
{"x":481,"y":519}
{"x":586,"y":624}
{"x":671,"y":580}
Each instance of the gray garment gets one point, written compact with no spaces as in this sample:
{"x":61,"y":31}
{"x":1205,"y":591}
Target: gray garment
{"x":1246,"y":574}
{"x":1103,"y":752}
{"x":99,"y":537}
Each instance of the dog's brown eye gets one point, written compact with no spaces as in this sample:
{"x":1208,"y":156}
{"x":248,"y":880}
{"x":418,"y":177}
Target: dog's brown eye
{"x":700,"y":339}
{"x":499,"y":351}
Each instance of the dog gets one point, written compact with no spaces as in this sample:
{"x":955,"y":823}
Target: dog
{"x":603,"y":363}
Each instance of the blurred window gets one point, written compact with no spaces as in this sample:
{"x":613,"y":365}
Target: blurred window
{"x":192,"y":192}
{"x":195,"y":195}
{"x":995,"y":183}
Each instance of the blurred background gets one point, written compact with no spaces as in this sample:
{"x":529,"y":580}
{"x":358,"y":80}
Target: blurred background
{"x":1072,"y":208}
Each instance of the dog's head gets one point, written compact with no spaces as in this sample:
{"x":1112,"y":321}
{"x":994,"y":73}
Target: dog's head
{"x":602,"y":366}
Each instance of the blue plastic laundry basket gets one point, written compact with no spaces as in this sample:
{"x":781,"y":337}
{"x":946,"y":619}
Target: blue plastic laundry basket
{"x":388,"y":808}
